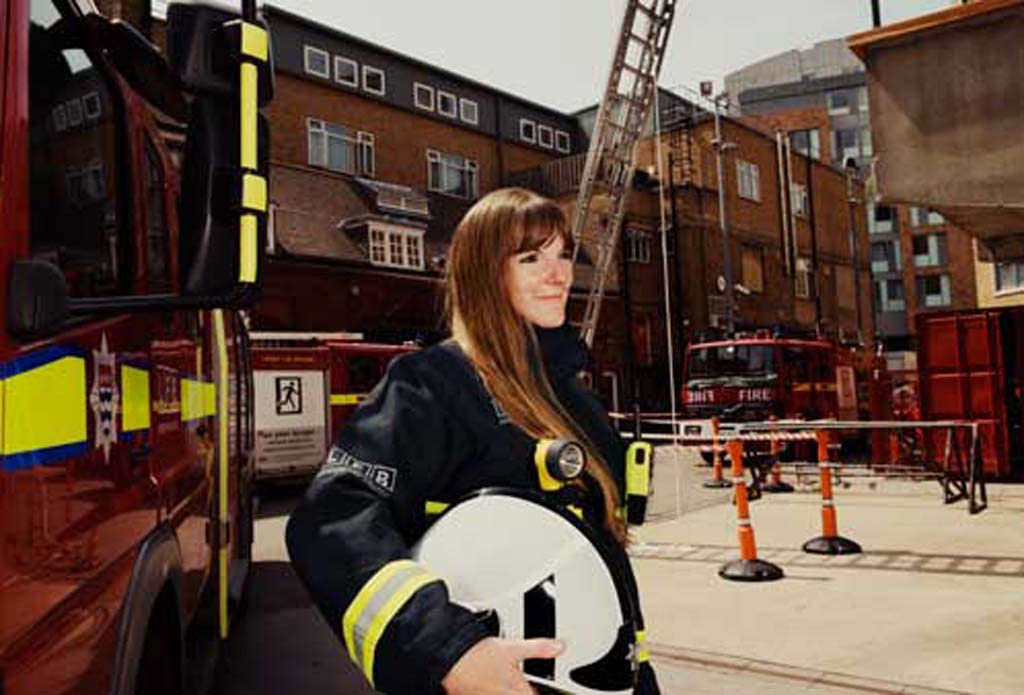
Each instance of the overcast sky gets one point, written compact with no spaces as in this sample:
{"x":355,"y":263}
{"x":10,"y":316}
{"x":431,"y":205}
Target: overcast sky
{"x":557,"y":52}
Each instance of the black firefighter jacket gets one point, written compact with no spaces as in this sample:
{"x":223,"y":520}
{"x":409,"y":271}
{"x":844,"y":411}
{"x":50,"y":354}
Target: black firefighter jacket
{"x":428,"y":433}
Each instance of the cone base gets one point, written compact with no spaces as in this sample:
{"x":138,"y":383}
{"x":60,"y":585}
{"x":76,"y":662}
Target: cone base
{"x":777,"y":487}
{"x":711,"y":482}
{"x":835,"y":545}
{"x":750,"y":571}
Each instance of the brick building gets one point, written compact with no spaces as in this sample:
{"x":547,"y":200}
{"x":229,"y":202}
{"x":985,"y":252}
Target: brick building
{"x":818,"y":97}
{"x":375,"y":156}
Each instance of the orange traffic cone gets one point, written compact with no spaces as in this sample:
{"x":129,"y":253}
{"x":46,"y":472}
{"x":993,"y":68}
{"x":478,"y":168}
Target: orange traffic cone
{"x":829,"y":542}
{"x":776,"y":484}
{"x":747,"y":568}
{"x":716,"y":479}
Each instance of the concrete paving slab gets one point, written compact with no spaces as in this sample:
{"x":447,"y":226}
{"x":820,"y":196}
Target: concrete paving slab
{"x":934,"y":602}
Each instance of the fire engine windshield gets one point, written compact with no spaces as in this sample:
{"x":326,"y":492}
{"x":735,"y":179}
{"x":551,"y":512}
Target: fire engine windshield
{"x":731,"y":361}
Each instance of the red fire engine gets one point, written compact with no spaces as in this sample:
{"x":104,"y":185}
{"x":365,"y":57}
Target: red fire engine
{"x":760,"y":375}
{"x":126,"y":418}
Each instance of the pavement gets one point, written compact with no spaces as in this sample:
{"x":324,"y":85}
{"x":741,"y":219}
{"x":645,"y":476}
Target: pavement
{"x":934,"y":604}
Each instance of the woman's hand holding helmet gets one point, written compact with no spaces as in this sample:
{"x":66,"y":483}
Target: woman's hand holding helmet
{"x":492,"y":666}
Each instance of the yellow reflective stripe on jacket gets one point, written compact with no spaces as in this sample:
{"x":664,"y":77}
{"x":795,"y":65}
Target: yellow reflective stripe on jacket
{"x":638,"y":469}
{"x":375,"y":605}
{"x":643,"y":652}
{"x":435,"y":508}
{"x":346,"y":398}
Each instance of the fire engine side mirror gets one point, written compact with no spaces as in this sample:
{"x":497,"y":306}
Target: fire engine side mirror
{"x":37,"y":298}
{"x":224,"y":63}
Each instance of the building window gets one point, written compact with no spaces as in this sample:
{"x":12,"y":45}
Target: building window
{"x":452,"y":174}
{"x":889,"y":295}
{"x":934,"y":290}
{"x":396,"y":247}
{"x":91,"y":105}
{"x":800,"y":199}
{"x":844,"y":145}
{"x":423,"y":96}
{"x":60,"y":118}
{"x":803,"y":278}
{"x":929,"y":250}
{"x":753,"y":268}
{"x":545,"y":136}
{"x":882,"y":220}
{"x":562,"y":143}
{"x":638,"y":246}
{"x":85,"y":184}
{"x":748,"y":180}
{"x":920,"y":217}
{"x":373,"y":80}
{"x":316,"y":62}
{"x":885,"y":256}
{"x":340,"y":149}
{"x":447,"y":104}
{"x":840,"y":101}
{"x":1009,"y":277}
{"x":806,"y":142}
{"x":346,"y":71}
{"x":75,"y":112}
{"x":158,"y":9}
{"x":527,"y":130}
{"x":469,"y":111}
{"x":865,"y":142}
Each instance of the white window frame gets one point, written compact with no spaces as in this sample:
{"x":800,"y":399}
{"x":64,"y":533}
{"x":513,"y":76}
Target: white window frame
{"x":370,"y":71}
{"x":802,"y":278}
{"x":342,"y":60}
{"x":638,"y":246}
{"x":60,"y":118}
{"x":933,"y":258}
{"x":541,"y":130}
{"x":748,"y":180}
{"x":307,"y":52}
{"x":417,"y":87}
{"x":888,"y":304}
{"x":562,"y":142}
{"x":362,"y":146}
{"x":801,"y":201}
{"x":1017,"y":282}
{"x":469,"y":166}
{"x":384,"y":239}
{"x":467,"y":106}
{"x":945,"y":296}
{"x":524,"y":125}
{"x":76,"y":114}
{"x":97,"y":111}
{"x":441,"y":96}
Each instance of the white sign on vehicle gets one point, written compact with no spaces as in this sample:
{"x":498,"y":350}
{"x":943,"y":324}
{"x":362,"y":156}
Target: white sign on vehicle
{"x":291,"y":422}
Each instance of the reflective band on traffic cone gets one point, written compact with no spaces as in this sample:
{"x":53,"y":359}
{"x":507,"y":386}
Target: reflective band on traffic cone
{"x":829,"y":542}
{"x":716,"y":479}
{"x":747,"y":568}
{"x":776,"y":484}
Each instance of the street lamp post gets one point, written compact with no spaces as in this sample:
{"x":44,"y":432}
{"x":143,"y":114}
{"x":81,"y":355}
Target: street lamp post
{"x":723,"y":217}
{"x":851,"y":198}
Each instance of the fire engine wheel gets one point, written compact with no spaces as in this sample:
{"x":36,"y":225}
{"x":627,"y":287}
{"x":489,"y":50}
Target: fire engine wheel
{"x":160,"y":671}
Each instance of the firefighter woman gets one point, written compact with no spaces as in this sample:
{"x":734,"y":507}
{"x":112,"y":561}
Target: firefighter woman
{"x":462,"y":415}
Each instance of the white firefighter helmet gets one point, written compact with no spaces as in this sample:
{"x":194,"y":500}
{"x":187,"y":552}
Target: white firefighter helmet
{"x":544,"y":574}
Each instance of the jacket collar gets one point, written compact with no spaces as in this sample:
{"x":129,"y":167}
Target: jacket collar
{"x":562,"y":350}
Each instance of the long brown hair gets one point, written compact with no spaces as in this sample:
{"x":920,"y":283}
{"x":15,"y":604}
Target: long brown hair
{"x":500,"y":225}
